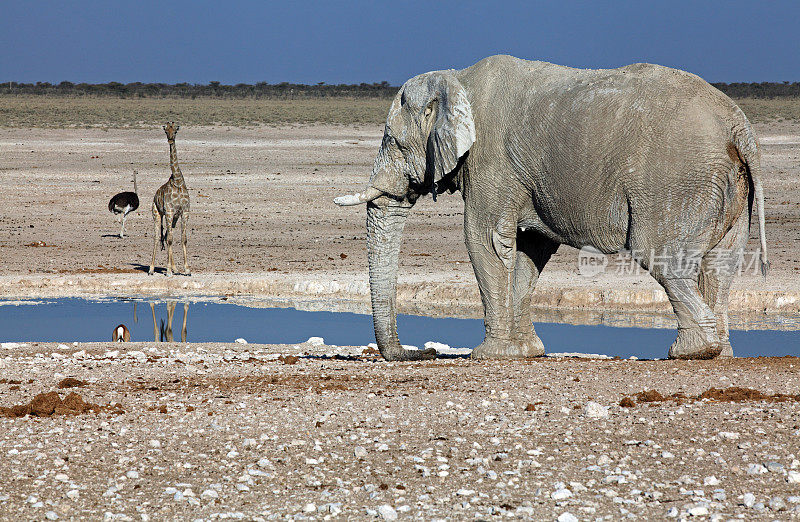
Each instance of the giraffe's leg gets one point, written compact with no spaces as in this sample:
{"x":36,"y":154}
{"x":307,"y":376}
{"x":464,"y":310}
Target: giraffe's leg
{"x":184,"y":241}
{"x":170,"y":315}
{"x":185,"y":314}
{"x":170,"y":261}
{"x":155,"y":326}
{"x":156,"y":238}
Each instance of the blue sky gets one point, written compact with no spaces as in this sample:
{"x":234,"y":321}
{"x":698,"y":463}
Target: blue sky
{"x":371,"y":41}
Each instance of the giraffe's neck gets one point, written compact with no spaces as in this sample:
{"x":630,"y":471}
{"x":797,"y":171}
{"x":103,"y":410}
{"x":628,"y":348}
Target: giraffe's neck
{"x":177,"y":175}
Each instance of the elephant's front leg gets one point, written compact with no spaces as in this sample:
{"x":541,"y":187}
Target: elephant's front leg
{"x":533,"y":253}
{"x":492,"y":251}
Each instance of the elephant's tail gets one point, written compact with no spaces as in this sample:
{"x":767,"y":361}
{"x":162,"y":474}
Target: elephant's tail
{"x":747,"y":147}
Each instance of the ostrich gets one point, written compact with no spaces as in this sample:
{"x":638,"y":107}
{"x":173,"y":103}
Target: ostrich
{"x":124,"y":203}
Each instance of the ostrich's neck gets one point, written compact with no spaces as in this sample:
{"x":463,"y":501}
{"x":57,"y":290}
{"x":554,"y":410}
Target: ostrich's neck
{"x":177,"y":175}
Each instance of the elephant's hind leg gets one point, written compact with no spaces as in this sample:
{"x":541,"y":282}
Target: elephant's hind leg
{"x":718,"y":269}
{"x":697,"y":325}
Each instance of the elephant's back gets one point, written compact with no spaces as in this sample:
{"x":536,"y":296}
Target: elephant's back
{"x":609,"y":143}
{"x":639,"y":89}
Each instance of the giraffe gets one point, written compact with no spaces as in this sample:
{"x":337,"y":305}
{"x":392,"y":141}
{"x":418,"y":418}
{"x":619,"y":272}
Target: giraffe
{"x":170,"y":203}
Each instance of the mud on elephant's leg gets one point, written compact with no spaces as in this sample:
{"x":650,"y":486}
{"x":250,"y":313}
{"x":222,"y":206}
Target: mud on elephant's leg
{"x":717,"y":270}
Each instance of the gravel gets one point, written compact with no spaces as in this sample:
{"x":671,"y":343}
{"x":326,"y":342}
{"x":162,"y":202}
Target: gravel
{"x":338,"y":434}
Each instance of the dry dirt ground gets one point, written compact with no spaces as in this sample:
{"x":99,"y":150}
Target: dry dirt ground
{"x":254,"y":432}
{"x":263,"y":221}
{"x":229,"y":431}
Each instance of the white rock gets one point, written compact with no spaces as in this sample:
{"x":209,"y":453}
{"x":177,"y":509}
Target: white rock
{"x":756,"y":469}
{"x":594,"y":410}
{"x":748,"y":499}
{"x":51,"y":515}
{"x":62,"y":477}
{"x":209,"y":494}
{"x":316,"y":341}
{"x":249,"y":443}
{"x":132,"y":474}
{"x":240,"y":341}
{"x":73,"y":494}
{"x":561,"y":494}
{"x":698,"y":511}
{"x":728,"y":435}
{"x":567,"y":517}
{"x":777,"y":504}
{"x":63,"y":347}
{"x":463,"y":492}
{"x":667,"y":455}
{"x":387,"y":512}
{"x":711,"y":481}
{"x":360,"y":452}
{"x":383,"y":447}
{"x":309,"y":508}
{"x":154,"y":444}
{"x":11,"y":346}
{"x":264,"y":463}
{"x":793,"y":477}
{"x":604,"y":460}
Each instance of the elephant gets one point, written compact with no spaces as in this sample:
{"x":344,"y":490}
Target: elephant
{"x":642,"y":158}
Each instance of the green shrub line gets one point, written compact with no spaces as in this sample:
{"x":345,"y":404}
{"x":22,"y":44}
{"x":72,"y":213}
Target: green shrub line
{"x":32,"y":111}
{"x":286,"y":90}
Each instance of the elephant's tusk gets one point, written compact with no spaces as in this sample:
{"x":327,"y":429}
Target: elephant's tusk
{"x":356,"y":199}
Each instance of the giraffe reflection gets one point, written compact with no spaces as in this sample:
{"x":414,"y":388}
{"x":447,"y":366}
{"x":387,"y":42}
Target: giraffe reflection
{"x":162,"y":332}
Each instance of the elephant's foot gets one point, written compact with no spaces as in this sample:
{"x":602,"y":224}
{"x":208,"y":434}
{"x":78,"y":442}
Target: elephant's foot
{"x":695,"y":343}
{"x":398,"y":353}
{"x":523,"y":348}
{"x":727,"y":350}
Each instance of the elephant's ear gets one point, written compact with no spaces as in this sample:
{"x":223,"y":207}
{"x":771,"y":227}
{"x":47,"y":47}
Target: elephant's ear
{"x":453,"y":131}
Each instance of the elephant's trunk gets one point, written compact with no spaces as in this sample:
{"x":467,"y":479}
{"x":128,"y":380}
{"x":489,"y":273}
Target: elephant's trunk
{"x":385,"y":224}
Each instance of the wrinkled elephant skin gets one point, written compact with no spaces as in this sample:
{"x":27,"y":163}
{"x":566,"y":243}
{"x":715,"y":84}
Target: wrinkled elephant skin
{"x":642,"y":158}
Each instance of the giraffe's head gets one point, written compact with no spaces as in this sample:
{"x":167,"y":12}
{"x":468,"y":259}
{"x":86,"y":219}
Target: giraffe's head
{"x":171,"y":129}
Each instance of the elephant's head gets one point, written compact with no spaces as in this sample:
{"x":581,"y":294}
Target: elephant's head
{"x":428,"y":130}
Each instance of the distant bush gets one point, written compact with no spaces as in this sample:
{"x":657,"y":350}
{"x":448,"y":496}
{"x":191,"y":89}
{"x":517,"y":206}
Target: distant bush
{"x":763,"y":90}
{"x":211,"y":90}
{"x":285,"y":90}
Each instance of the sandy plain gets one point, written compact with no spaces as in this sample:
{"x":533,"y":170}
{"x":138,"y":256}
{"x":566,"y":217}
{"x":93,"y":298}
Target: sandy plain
{"x":263,"y":222}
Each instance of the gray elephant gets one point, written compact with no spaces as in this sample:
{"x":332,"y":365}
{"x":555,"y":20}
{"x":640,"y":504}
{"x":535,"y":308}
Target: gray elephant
{"x":642,"y":158}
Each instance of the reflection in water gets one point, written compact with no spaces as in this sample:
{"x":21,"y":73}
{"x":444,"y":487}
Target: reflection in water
{"x":163,"y":331}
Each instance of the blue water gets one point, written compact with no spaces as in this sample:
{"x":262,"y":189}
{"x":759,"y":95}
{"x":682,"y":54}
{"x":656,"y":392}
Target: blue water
{"x":67,"y":320}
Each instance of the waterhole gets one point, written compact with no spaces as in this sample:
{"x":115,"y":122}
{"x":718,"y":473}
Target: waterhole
{"x":71,"y":319}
